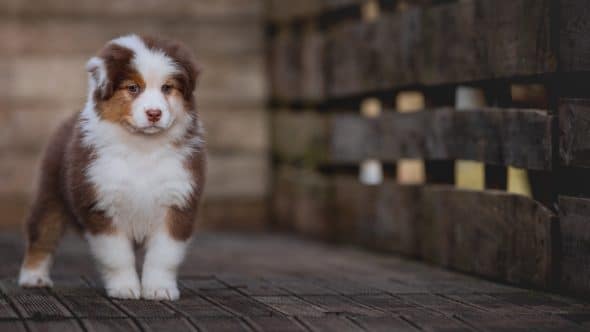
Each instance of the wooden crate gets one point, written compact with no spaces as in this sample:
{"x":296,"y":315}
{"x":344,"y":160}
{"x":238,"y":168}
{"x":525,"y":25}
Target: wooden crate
{"x":434,"y":47}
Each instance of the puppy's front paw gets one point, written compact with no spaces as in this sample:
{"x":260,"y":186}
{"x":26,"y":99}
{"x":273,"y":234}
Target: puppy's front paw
{"x":34,"y":279}
{"x":168,"y":292}
{"x":124,"y":287}
{"x":129,"y":292}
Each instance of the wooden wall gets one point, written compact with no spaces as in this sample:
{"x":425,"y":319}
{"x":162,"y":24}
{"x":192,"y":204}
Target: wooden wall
{"x":328,"y":58}
{"x":45,"y":44}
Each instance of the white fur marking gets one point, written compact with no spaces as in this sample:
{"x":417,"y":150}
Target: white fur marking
{"x":136,"y":184}
{"x":163,"y":257}
{"x":36,"y":277}
{"x":116,"y":262}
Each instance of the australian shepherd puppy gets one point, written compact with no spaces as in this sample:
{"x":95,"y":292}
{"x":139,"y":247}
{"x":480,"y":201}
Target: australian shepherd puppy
{"x":127,"y":170}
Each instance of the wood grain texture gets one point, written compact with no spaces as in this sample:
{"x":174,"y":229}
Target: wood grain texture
{"x":491,"y":233}
{"x":575,"y":241}
{"x":574,"y":46}
{"x":273,"y":282}
{"x":136,"y":8}
{"x":574,"y":130}
{"x":507,"y":137}
{"x":448,"y":43}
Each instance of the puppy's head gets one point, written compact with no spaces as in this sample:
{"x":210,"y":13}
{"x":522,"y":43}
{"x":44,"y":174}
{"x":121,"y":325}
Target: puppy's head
{"x":144,"y":84}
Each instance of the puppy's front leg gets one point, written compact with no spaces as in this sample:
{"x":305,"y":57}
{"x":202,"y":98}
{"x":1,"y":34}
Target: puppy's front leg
{"x":116,"y":259}
{"x":163,"y":256}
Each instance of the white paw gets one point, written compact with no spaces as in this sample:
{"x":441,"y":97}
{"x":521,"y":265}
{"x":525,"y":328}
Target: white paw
{"x":34,"y":278}
{"x":160,"y":293}
{"x":128,"y":292}
{"x":124,"y":286}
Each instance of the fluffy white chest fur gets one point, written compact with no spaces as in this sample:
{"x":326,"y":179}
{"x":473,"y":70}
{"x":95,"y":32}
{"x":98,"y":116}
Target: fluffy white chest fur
{"x":135,"y":187}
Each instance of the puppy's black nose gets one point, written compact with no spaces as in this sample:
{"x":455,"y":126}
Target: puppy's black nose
{"x":153,"y":115}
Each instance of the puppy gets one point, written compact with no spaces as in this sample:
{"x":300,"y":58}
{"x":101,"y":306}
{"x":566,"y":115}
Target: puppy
{"x":127,"y":170}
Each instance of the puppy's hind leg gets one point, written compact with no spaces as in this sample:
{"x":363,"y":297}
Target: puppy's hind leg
{"x":45,"y":227}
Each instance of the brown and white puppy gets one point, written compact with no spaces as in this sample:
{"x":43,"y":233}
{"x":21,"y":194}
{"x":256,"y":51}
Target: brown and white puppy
{"x":128,"y":169}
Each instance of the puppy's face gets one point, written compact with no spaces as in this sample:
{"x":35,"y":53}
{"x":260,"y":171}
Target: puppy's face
{"x":143,"y":84}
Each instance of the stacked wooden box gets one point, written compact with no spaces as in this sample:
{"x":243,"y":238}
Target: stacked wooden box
{"x":326,"y":59}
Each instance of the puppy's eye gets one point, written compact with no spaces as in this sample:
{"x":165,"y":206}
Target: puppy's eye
{"x":166,"y":88}
{"x":133,"y":88}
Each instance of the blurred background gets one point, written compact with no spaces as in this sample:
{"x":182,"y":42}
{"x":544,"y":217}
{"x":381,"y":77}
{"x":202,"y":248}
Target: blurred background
{"x":43,"y":49}
{"x":452,"y":131}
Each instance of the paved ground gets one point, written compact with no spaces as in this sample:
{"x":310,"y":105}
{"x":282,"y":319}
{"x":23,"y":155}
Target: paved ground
{"x":277,"y":283}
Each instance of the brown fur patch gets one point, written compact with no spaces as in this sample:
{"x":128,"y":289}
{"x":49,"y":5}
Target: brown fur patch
{"x":34,"y":257}
{"x":180,"y":221}
{"x":48,"y":215}
{"x":81,"y":194}
{"x":182,"y":56}
{"x":113,"y":101}
{"x":118,"y":107}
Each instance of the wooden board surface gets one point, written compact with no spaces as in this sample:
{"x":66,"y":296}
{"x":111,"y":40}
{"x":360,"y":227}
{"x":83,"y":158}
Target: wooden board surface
{"x":574,"y":125}
{"x":263,"y":282}
{"x":490,"y":233}
{"x":450,"y":43}
{"x":575,"y":241}
{"x":507,"y":137}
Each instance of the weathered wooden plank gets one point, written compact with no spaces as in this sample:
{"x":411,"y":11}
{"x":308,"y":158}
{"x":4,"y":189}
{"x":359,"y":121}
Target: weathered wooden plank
{"x":280,"y":11}
{"x":63,"y":325}
{"x":6,"y":310}
{"x":34,"y":303}
{"x":225,"y":175}
{"x":574,"y":216}
{"x":507,"y":137}
{"x":145,"y":309}
{"x":311,"y":209}
{"x":225,"y":81}
{"x":85,"y":301}
{"x":312,"y":64}
{"x":173,"y":9}
{"x":520,"y":138}
{"x":285,"y":65}
{"x":440,"y":44}
{"x":233,"y":213}
{"x":299,"y":136}
{"x":439,"y":304}
{"x":574,"y":46}
{"x":491,"y":233}
{"x":276,"y":323}
{"x":291,"y":305}
{"x":384,"y":324}
{"x":329,"y":323}
{"x":59,"y":36}
{"x":381,"y":217}
{"x":221,"y":324}
{"x":494,"y":322}
{"x":337,"y":304}
{"x":283,"y":195}
{"x":431,"y":321}
{"x":363,"y":57}
{"x":233,"y":130}
{"x":12,"y":326}
{"x":237,"y":303}
{"x":108,"y":325}
{"x":574,"y":125}
{"x":170,"y":324}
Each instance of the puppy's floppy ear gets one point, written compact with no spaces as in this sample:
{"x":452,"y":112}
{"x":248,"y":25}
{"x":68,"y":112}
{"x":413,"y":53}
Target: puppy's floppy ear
{"x":97,"y":75}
